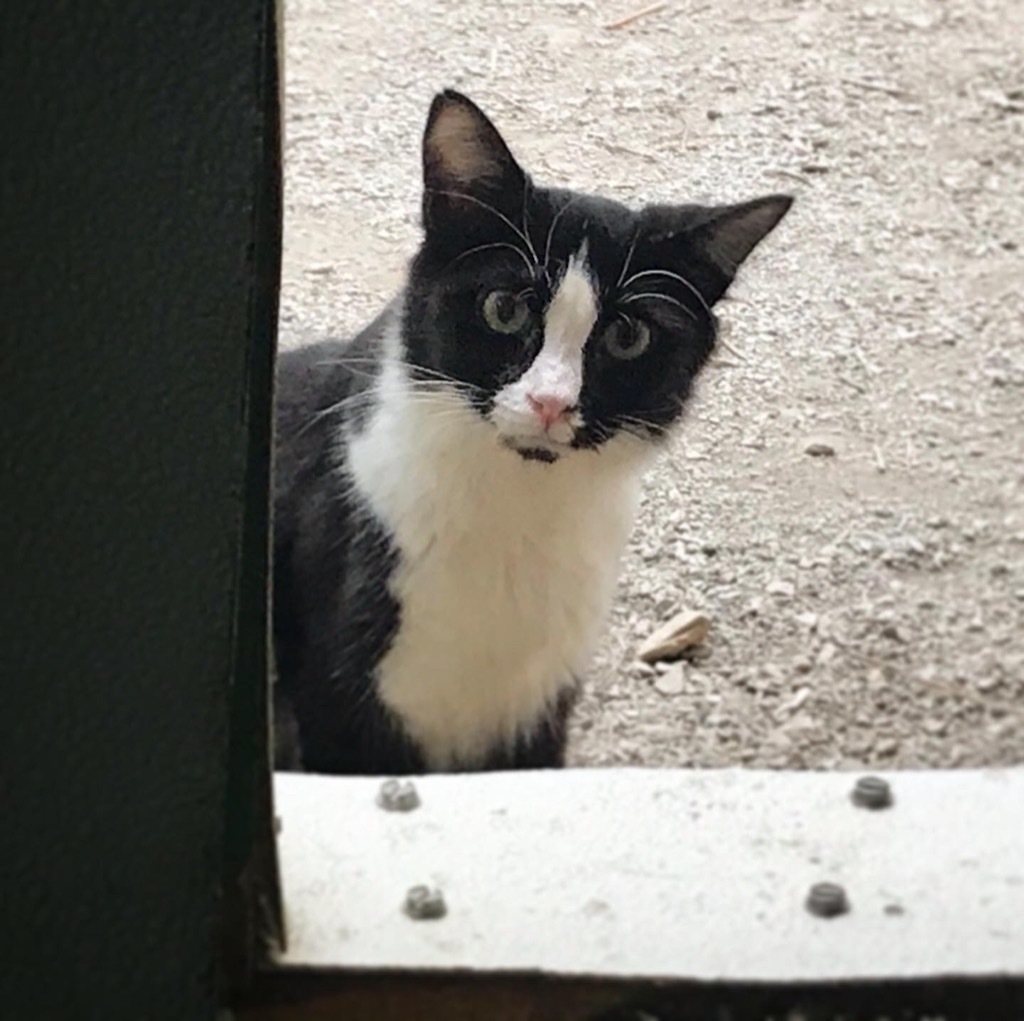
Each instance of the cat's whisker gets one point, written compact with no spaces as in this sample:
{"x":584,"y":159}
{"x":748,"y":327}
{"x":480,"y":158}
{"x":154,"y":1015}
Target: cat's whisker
{"x":663,"y":297}
{"x":672,"y":276}
{"x":431,"y":388}
{"x":625,"y":420}
{"x":551,"y":231}
{"x":352,"y":360}
{"x":631,"y":435}
{"x":440,"y":408}
{"x":497,"y":244}
{"x":648,"y":426}
{"x":603,"y":432}
{"x":638,"y":423}
{"x":441,"y":387}
{"x":439,"y":397}
{"x":432,"y":378}
{"x":524,"y":217}
{"x":433,"y":374}
{"x":483,"y":205}
{"x":332,"y":409}
{"x":438,"y":392}
{"x":624,"y":431}
{"x":361,"y":373}
{"x":627,"y":260}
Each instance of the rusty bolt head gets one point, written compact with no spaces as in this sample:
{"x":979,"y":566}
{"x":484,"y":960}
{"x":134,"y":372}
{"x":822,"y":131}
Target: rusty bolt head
{"x":827,"y":900}
{"x":424,"y":903}
{"x":872,"y":792}
{"x":398,"y":796}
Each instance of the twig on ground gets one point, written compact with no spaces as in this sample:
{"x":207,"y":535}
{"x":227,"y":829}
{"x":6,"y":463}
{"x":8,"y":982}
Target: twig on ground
{"x":790,"y":174}
{"x":911,"y":454}
{"x":889,"y":90}
{"x":726,"y":346}
{"x":624,"y":150}
{"x":852,"y":384}
{"x":771,"y":19}
{"x":635,"y":16}
{"x":859,"y":355}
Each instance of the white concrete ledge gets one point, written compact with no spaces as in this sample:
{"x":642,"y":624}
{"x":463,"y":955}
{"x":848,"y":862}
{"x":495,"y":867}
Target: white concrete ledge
{"x":660,"y":874}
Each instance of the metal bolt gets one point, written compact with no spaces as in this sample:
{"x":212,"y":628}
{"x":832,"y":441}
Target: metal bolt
{"x":423,"y":903}
{"x":827,"y":900}
{"x":872,"y":792}
{"x":398,"y":796}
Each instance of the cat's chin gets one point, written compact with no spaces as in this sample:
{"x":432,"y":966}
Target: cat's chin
{"x":531,"y":450}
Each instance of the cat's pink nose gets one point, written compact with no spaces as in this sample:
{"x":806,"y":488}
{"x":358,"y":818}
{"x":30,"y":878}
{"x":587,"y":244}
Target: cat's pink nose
{"x":548,"y":409}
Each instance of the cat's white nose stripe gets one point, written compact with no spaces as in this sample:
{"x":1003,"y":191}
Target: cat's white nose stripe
{"x":555,"y":375}
{"x":557,"y":371}
{"x":553,"y":382}
{"x":573,"y":310}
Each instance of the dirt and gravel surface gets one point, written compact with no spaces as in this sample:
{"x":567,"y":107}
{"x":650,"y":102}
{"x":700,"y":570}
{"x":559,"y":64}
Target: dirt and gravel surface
{"x":846,"y":501}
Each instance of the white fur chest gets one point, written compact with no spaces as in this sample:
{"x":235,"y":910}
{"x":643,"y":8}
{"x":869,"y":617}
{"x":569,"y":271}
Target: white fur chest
{"x":507,"y":571}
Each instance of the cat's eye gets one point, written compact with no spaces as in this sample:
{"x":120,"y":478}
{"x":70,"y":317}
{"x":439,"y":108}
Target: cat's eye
{"x":626,"y":338}
{"x":505,"y":312}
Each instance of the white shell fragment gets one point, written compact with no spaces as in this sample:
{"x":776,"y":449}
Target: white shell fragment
{"x":673,"y":681}
{"x":685,"y":630}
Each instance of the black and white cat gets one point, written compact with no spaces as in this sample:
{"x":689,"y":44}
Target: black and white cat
{"x":455,"y":486}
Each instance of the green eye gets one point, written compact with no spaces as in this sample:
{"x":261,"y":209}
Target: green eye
{"x":505,"y":312}
{"x":626,"y":338}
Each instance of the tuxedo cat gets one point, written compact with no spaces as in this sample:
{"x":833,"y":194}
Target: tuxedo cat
{"x":454,"y":487}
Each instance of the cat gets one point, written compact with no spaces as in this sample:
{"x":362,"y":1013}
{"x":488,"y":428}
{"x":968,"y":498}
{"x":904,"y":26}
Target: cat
{"x":454,"y":487}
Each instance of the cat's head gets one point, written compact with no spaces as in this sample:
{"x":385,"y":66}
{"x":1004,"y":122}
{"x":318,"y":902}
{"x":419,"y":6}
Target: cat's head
{"x":567,"y":320}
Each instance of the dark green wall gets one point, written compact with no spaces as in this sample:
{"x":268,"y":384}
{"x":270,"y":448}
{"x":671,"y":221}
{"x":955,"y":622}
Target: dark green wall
{"x":140,"y":234}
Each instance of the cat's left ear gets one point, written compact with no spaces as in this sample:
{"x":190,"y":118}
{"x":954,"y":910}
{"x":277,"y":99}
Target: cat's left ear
{"x":712,"y":242}
{"x":466,"y":161}
{"x":730,"y":233}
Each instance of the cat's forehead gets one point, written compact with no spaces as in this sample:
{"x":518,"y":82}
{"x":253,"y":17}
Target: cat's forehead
{"x":568,"y":222}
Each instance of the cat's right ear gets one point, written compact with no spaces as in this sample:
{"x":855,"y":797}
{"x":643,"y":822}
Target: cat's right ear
{"x":466,"y":164}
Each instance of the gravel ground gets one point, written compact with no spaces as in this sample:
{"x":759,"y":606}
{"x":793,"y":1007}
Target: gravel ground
{"x":867,"y":601}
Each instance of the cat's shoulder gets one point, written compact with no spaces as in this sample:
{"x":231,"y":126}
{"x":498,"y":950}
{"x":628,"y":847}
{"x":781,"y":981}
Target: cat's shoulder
{"x":312,"y":376}
{"x":318,"y":384}
{"x":323,"y":390}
